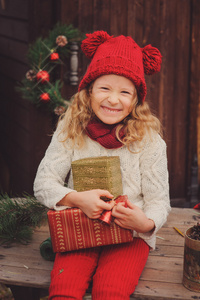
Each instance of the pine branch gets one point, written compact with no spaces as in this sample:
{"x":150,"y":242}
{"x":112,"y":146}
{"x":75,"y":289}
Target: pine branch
{"x":18,"y":218}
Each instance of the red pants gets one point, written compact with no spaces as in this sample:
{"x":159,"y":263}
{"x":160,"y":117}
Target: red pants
{"x":115,"y":271}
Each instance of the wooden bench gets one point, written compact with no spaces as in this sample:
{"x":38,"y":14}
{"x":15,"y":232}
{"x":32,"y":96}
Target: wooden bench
{"x":28,"y":274}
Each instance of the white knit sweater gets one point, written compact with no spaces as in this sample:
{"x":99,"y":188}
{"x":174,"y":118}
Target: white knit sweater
{"x":144,"y":176}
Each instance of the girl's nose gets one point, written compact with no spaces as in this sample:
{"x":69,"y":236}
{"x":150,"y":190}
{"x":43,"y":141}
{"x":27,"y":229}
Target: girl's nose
{"x":113,"y":98}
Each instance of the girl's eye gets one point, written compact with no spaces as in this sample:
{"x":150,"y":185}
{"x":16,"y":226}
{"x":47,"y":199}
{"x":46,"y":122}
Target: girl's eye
{"x":104,"y":88}
{"x":125,"y":92}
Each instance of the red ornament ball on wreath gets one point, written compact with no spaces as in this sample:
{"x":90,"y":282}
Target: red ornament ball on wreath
{"x":54,"y":56}
{"x":42,"y":76}
{"x":44,"y":97}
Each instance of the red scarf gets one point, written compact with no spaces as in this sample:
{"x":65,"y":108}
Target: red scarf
{"x":104,"y":134}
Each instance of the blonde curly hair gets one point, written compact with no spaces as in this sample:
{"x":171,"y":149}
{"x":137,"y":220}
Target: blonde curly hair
{"x":135,"y":125}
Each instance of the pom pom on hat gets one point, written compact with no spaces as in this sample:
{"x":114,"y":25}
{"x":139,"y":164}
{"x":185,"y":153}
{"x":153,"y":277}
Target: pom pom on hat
{"x":93,"y":41}
{"x":152,"y":60}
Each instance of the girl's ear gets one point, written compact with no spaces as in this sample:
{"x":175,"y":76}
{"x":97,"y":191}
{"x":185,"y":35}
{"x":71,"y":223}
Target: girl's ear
{"x":152,"y":60}
{"x":93,"y":41}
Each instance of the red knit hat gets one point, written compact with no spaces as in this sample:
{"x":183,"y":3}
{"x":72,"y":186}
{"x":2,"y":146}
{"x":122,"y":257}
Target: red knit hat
{"x":121,"y":56}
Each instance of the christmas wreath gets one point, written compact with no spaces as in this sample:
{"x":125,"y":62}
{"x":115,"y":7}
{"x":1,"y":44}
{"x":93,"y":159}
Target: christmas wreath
{"x":40,"y":84}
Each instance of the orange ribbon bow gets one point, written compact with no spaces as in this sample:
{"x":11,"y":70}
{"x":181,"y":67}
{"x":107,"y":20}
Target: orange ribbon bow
{"x":106,"y":216}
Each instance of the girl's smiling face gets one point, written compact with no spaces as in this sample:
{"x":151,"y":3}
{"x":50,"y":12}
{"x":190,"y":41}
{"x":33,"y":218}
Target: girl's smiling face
{"x":113,"y":97}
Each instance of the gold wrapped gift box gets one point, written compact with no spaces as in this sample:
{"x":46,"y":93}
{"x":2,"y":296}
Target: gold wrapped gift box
{"x":98,"y":173}
{"x":71,"y":229}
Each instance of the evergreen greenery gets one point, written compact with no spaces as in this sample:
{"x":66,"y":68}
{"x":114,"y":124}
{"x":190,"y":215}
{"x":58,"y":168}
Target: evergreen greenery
{"x":19,"y":217}
{"x":39,"y":58}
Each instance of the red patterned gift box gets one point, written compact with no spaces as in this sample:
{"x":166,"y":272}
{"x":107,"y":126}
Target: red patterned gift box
{"x":71,"y":229}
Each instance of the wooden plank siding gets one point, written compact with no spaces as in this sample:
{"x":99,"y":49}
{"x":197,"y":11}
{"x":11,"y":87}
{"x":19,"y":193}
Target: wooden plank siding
{"x":173,"y":94}
{"x":194,"y":92}
{"x":13,"y":46}
{"x":166,"y":25}
{"x":24,"y":130}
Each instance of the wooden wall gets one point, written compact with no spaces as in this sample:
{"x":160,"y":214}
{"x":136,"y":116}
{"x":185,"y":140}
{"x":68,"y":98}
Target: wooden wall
{"x":168,"y":25}
{"x":23,"y":129}
{"x":173,"y":94}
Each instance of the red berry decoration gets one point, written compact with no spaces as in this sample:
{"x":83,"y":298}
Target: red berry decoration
{"x":44,"y":97}
{"x":42,"y":76}
{"x":54,"y":56}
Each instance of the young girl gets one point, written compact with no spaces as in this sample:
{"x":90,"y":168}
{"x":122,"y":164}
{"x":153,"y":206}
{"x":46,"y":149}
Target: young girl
{"x":109,"y":117}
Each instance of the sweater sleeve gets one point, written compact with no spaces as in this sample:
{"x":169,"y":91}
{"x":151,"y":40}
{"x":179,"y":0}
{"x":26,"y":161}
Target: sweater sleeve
{"x":155,"y":185}
{"x":49,"y":182}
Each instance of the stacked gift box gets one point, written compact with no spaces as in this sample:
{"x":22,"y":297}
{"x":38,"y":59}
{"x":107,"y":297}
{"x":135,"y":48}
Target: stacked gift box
{"x":71,"y":229}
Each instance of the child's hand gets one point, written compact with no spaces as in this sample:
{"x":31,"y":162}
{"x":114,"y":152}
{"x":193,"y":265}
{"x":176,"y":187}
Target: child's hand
{"x":89,"y":202}
{"x":132,"y":218}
